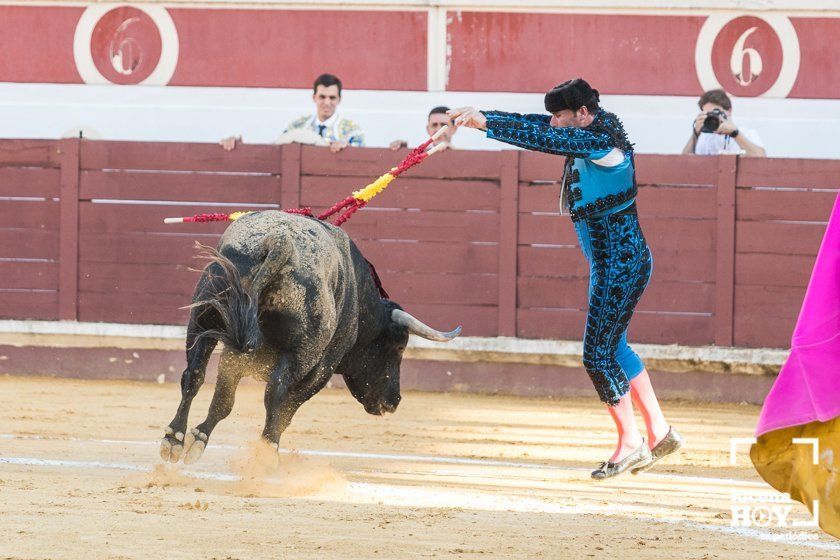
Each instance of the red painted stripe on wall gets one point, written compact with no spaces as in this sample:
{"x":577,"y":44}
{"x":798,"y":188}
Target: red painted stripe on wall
{"x":36,"y":44}
{"x":273,"y":48}
{"x":250,"y":48}
{"x":639,"y":55}
{"x":516,"y":52}
{"x":818,"y":75}
{"x":533,"y":52}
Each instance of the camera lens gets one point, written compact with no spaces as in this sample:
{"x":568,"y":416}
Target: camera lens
{"x":711,"y":123}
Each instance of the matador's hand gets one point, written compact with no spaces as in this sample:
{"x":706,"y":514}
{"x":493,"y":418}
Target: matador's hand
{"x":469,"y":117}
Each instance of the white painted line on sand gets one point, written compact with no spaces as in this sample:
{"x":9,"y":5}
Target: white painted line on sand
{"x":411,"y":459}
{"x":406,"y":496}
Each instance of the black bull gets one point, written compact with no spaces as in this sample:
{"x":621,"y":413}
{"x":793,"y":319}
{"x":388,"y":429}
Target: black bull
{"x":293,"y":300}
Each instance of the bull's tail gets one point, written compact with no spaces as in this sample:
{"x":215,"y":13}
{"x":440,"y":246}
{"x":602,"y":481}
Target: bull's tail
{"x":222,"y":307}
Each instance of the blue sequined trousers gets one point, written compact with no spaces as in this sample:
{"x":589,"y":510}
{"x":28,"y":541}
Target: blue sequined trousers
{"x":620,"y":265}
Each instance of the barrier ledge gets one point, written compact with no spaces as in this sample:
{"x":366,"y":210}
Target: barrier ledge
{"x":504,"y":350}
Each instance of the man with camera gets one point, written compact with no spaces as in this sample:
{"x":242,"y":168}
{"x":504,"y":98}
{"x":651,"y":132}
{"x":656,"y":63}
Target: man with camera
{"x":714,"y":132}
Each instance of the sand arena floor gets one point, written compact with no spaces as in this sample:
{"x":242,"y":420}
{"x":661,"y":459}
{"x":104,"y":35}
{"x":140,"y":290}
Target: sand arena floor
{"x":448,"y":476}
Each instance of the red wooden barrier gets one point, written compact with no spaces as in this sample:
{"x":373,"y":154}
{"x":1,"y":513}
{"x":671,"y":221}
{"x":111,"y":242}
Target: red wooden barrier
{"x":468,"y":237}
{"x":678,"y":215}
{"x":433,"y":235}
{"x":782,"y":208}
{"x":30,"y":184}
{"x":132,"y":267}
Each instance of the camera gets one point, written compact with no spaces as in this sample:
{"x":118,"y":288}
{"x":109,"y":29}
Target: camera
{"x":712,"y":121}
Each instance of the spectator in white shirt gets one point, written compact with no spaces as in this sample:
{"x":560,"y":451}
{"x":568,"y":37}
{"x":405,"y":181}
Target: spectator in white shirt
{"x":324,"y":127}
{"x":714,"y":132}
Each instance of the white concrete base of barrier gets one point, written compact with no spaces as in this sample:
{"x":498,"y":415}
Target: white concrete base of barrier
{"x":754,"y":361}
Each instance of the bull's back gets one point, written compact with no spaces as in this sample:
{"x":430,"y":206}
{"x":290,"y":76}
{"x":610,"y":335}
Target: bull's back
{"x":250,"y":234}
{"x":302,"y":270}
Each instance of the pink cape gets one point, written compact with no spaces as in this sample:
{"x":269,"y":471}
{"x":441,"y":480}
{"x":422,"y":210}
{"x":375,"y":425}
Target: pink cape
{"x":808,"y":387}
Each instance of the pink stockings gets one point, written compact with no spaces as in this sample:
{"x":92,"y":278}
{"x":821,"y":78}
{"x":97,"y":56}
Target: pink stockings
{"x":629,"y":438}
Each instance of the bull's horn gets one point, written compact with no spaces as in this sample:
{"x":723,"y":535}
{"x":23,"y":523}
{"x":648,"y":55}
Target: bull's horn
{"x":418,"y":327}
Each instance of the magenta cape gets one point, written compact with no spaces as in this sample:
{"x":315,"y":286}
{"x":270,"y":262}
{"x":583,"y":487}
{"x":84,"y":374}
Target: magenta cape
{"x":808,"y":387}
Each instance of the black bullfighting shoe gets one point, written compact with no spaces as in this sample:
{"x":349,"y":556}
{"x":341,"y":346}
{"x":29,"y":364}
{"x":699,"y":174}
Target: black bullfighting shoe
{"x":637,"y":458}
{"x":669,"y":444}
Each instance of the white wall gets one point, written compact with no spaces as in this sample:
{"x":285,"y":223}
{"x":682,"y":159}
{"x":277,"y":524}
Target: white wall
{"x":789,"y":127}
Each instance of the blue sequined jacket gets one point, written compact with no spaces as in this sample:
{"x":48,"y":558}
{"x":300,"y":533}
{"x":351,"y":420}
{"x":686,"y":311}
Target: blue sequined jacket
{"x":599,"y":175}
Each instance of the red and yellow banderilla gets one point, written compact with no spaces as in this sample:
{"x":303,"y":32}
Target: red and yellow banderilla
{"x":350,"y":204}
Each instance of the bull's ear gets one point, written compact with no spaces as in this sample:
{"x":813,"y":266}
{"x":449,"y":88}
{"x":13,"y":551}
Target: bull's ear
{"x":418,"y":327}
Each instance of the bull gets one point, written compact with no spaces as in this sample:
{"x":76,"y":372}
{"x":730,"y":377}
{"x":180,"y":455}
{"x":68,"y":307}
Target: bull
{"x":293,"y":301}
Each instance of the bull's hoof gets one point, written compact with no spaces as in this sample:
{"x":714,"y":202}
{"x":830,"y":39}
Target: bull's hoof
{"x":171,"y":446}
{"x":194,"y":443}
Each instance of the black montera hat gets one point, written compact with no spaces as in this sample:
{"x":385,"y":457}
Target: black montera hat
{"x":571,"y":95}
